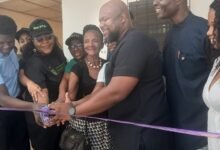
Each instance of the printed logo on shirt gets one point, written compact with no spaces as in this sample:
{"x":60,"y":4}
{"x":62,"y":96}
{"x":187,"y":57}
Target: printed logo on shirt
{"x":58,"y":69}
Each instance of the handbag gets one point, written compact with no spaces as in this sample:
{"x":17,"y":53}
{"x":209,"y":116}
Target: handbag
{"x":72,"y":139}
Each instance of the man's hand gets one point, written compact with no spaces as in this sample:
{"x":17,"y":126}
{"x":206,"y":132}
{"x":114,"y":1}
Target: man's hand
{"x":61,"y":112}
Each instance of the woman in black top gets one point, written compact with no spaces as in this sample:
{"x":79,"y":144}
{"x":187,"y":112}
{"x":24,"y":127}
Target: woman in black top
{"x":82,"y":81}
{"x":45,"y":67}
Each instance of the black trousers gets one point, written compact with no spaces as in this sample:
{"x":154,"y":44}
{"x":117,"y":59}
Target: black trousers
{"x":41,"y":138}
{"x":13,"y":134}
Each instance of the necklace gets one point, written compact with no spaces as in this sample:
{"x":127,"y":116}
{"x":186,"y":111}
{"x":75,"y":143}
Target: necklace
{"x":94,"y":66}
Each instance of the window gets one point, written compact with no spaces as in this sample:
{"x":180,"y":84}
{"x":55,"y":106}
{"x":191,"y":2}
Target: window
{"x":145,"y":20}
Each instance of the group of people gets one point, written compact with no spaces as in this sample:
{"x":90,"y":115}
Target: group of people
{"x":128,"y":86}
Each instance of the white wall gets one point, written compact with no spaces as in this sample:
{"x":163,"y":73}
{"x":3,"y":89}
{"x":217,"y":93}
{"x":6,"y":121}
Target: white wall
{"x":200,"y":7}
{"x":77,"y":14}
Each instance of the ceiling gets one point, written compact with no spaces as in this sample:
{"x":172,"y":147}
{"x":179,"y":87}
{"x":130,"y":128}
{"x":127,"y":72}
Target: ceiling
{"x":48,"y":9}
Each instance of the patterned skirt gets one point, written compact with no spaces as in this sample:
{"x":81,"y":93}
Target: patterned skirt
{"x":96,"y":133}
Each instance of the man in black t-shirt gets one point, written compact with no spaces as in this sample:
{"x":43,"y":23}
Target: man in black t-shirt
{"x":134,"y":90}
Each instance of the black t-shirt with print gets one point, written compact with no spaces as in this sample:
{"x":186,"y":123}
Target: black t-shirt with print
{"x":46,"y":71}
{"x":138,"y":56}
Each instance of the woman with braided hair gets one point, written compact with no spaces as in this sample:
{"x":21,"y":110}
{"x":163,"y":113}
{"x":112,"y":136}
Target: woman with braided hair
{"x":211,"y":92}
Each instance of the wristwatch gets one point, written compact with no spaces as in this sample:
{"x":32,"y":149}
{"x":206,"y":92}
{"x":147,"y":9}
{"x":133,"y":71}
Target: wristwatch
{"x":72,"y":110}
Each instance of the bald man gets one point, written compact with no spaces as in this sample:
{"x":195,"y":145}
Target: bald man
{"x":134,"y":88}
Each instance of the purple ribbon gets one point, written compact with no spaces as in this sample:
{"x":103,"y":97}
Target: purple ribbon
{"x":20,"y":109}
{"x":41,"y":110}
{"x":163,"y":128}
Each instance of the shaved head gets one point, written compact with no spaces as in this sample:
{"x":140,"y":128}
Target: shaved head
{"x":116,"y":7}
{"x":114,"y":20}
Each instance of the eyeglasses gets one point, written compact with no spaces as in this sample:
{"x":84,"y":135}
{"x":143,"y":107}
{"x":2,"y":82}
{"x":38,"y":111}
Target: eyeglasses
{"x":46,"y":37}
{"x":76,"y":46}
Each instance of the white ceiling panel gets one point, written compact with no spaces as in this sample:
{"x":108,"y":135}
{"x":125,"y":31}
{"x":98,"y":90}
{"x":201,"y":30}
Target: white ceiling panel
{"x":58,"y":1}
{"x":57,"y":7}
{"x":58,"y":18}
{"x":20,"y":5}
{"x":46,"y":13}
{"x":44,"y":3}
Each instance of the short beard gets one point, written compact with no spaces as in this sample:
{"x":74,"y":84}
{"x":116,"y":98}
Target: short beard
{"x":113,"y":37}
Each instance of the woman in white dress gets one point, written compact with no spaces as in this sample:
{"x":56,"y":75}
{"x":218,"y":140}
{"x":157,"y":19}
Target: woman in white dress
{"x":211,"y":92}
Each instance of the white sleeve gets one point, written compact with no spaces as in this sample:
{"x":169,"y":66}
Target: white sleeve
{"x":101,"y":75}
{"x":1,"y":79}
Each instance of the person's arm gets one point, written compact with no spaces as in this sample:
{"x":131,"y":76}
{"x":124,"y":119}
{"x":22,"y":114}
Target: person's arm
{"x":63,"y":87}
{"x":117,"y":90}
{"x":44,"y":97}
{"x":11,"y":102}
{"x":98,"y":87}
{"x":33,"y":88}
{"x":73,"y":86}
{"x":36,"y":72}
{"x":8,"y":101}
